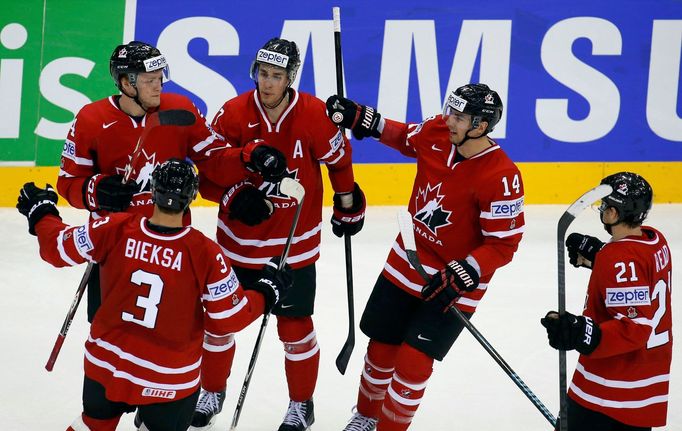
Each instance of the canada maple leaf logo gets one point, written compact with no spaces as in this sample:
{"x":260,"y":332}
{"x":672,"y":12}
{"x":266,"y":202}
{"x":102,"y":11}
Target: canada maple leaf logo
{"x":145,"y":166}
{"x":272,"y":189}
{"x":428,"y":208}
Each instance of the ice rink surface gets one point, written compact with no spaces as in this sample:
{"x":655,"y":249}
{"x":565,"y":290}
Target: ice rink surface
{"x":468,"y":390}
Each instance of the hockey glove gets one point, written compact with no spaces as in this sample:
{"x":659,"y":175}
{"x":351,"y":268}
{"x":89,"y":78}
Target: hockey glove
{"x":451,"y":282}
{"x":274,"y":284}
{"x":248,"y":204}
{"x":585,"y":246}
{"x":349,"y":212}
{"x":35,"y":203}
{"x":108,"y":193}
{"x":264,"y":159}
{"x":569,"y":332}
{"x":363,"y":120}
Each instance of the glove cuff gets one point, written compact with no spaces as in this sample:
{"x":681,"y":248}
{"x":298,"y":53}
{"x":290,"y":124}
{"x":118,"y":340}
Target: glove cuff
{"x":90,"y":192}
{"x":269,"y":292}
{"x":38,"y":211}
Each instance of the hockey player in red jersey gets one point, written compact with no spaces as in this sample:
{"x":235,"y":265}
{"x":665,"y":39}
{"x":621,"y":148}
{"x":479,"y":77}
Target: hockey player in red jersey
{"x":165,"y":286}
{"x":467,"y":208}
{"x":624,"y":335}
{"x":104,"y":134}
{"x":254,"y":218}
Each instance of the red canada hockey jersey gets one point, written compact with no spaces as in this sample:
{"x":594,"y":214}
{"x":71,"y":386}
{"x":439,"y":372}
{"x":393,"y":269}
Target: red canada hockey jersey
{"x":629,"y":297}
{"x":306,"y":137}
{"x":160,"y":292}
{"x":460,"y":207}
{"x":102,"y":139}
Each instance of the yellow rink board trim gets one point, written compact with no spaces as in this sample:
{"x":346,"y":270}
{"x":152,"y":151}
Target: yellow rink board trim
{"x":391,"y":184}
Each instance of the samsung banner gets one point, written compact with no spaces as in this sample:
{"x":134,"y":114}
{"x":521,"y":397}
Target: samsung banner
{"x":581,"y":81}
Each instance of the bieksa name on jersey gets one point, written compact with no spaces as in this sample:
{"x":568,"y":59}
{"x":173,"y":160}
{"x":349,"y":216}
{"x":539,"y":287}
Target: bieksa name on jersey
{"x":506,"y":209}
{"x":226,"y":286}
{"x":627,"y":296}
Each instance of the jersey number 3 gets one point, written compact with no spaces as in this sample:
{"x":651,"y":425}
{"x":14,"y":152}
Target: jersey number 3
{"x":148,"y":303}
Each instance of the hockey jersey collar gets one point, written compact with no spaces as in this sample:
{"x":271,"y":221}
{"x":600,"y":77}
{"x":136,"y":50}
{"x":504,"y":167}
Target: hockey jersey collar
{"x":266,"y":120}
{"x":162,"y":237}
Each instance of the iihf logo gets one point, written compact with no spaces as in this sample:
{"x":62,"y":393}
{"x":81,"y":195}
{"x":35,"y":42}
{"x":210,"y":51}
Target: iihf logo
{"x":428,"y":208}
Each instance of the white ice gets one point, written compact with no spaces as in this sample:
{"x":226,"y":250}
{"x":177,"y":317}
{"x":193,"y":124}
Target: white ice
{"x":468,"y":390}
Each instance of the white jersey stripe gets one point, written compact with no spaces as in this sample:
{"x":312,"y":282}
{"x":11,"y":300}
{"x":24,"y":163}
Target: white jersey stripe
{"x":268,"y":242}
{"x":622,"y":384}
{"x":633,"y":404}
{"x":142,"y":362}
{"x":136,"y":380}
{"x":231,"y":312}
{"x":62,"y":252}
{"x":263,"y":260}
{"x":504,"y":234}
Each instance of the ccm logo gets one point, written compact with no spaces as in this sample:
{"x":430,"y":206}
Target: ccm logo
{"x":506,"y":209}
{"x":626,"y":296}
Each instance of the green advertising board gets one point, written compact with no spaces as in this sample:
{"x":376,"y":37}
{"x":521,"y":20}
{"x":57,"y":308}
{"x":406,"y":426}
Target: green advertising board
{"x":54,"y":57}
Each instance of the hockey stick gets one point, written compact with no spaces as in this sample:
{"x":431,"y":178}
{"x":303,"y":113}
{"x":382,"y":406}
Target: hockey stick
{"x":566,"y":219}
{"x":407,"y":233}
{"x":347,"y":349}
{"x":293,"y":189}
{"x":172,"y":117}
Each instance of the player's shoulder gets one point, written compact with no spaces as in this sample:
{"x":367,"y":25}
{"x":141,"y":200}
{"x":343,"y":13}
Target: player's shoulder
{"x":97,"y":110}
{"x":175,"y":101}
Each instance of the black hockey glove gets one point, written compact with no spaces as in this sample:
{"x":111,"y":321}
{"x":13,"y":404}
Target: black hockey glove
{"x":35,"y":203}
{"x":264,"y":159}
{"x":362,"y":120}
{"x":569,"y":332}
{"x":108,"y":193}
{"x":585,"y":246}
{"x":349,"y":212}
{"x":448,"y":284}
{"x":246,"y":203}
{"x":274,"y":284}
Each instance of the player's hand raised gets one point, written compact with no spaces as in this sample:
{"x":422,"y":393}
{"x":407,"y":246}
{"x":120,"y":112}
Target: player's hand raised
{"x":363,"y":120}
{"x":582,"y":249}
{"x":108,"y":193}
{"x":246,"y":203}
{"x":35,"y":203}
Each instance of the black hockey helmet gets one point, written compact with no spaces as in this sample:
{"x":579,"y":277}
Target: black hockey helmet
{"x":477,"y":100}
{"x":133,"y":58}
{"x":278,"y":52}
{"x":174,"y":185}
{"x":631,"y":196}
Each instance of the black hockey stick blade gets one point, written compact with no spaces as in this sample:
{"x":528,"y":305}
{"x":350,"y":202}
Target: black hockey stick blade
{"x":407,"y":234}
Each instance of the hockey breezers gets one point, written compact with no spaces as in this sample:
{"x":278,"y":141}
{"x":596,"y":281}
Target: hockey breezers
{"x":294,"y":190}
{"x":566,"y":219}
{"x":407,"y":233}
{"x":172,"y":117}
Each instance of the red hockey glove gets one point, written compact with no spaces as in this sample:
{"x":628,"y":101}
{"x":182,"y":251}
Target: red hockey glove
{"x":448,"y":284}
{"x":349,"y":212}
{"x":264,"y":159}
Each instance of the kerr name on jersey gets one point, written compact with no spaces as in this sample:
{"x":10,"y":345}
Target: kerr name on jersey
{"x":155,"y":254}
